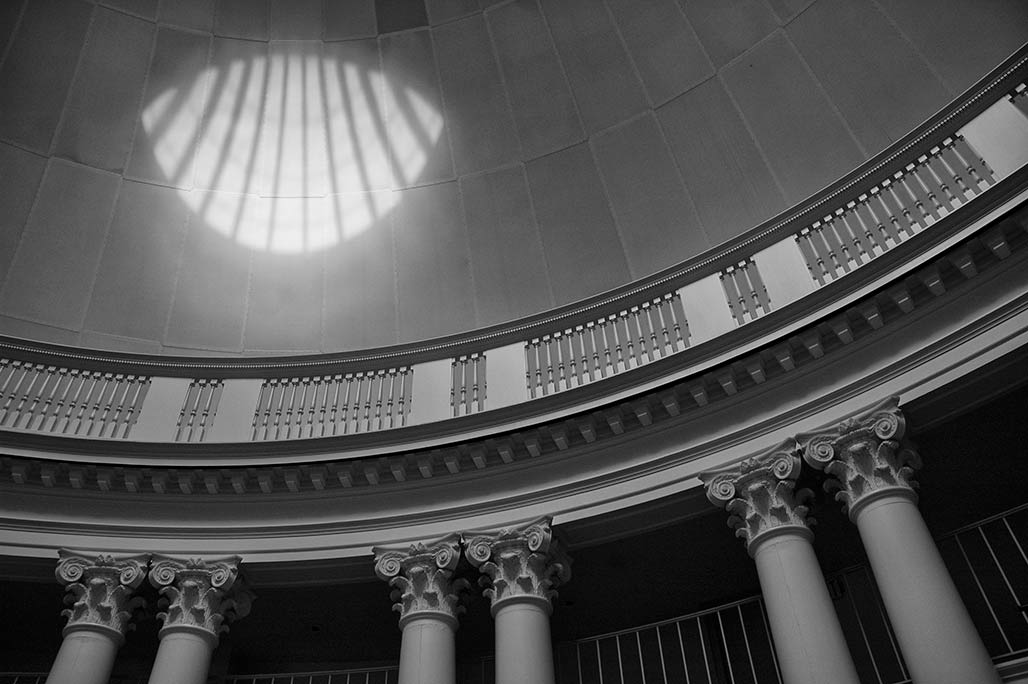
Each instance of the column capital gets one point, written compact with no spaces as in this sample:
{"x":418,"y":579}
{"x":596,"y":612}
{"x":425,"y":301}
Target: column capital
{"x":521,"y":563}
{"x":100,"y":588}
{"x":201,"y":594}
{"x":421,"y":574}
{"x":864,"y":456}
{"x":760,"y":495}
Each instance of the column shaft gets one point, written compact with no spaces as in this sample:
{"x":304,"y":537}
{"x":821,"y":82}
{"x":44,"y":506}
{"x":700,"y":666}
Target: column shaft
{"x":427,"y":652}
{"x":939,"y":642}
{"x":524,"y":654}
{"x":809,"y":642}
{"x":86,"y":657}
{"x":182,"y":658}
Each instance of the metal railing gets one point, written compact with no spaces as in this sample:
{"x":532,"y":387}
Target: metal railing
{"x":373,"y":675}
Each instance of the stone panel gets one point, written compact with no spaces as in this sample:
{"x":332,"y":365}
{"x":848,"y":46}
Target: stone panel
{"x":604,"y":82}
{"x":101,"y":113}
{"x":477,"y":112}
{"x":806,"y":142}
{"x":728,"y":180}
{"x":543,"y":107}
{"x":507,"y":258}
{"x":655,"y":215}
{"x":51,"y":33}
{"x":663,"y":46}
{"x":140,"y":263}
{"x":433,"y":274}
{"x":52,"y":273}
{"x":582,"y":247}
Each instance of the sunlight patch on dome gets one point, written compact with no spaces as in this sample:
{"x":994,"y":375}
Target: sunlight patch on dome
{"x":291,"y":152}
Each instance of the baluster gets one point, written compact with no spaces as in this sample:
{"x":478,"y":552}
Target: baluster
{"x":110,"y":391}
{"x":380,"y":378}
{"x":955,"y":170}
{"x":531,"y":367}
{"x":977,"y":169}
{"x":408,"y":382}
{"x":350,"y":380}
{"x":891,"y":226}
{"x":211,"y":407}
{"x":390,"y":396}
{"x":333,"y":416}
{"x":548,"y":356}
{"x":261,"y":415}
{"x":579,"y":352}
{"x":102,"y":403}
{"x":609,"y":357}
{"x":48,"y":376}
{"x":320,"y":406}
{"x":868,"y":225}
{"x":185,"y":415}
{"x":139,"y":388}
{"x":29,"y":394}
{"x":95,"y":381}
{"x":454,"y":387}
{"x":15,"y":390}
{"x":51,"y":405}
{"x":278,"y":401}
{"x":597,"y":365}
{"x":664,"y":314}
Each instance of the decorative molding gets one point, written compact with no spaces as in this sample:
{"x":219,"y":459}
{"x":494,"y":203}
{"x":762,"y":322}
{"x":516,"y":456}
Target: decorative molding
{"x":520,"y":563}
{"x":201,"y":594}
{"x":100,"y":590}
{"x":864,"y":456}
{"x":421,"y":575}
{"x":760,"y":495}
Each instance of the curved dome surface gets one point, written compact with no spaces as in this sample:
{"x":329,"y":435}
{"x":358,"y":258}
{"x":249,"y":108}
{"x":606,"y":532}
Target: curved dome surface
{"x":249,"y":178}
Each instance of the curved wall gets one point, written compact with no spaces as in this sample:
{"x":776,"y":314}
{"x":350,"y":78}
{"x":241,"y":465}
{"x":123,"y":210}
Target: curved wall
{"x":312,"y":177}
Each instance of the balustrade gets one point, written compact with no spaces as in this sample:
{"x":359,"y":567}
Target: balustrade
{"x":69,"y":401}
{"x":298,"y":408}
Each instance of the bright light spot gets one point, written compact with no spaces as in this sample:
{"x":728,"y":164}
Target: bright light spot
{"x":292,"y":153}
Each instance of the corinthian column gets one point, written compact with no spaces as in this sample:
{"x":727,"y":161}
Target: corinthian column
{"x":202,"y":595}
{"x":428,"y":606}
{"x":872,"y":472}
{"x":100,"y":593}
{"x":522,"y":565}
{"x":768,"y":513}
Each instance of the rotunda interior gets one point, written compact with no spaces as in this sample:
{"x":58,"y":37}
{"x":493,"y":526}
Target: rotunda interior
{"x":291,"y":288}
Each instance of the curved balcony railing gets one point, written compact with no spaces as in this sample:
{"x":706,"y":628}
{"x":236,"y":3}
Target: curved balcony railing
{"x":904,"y":195}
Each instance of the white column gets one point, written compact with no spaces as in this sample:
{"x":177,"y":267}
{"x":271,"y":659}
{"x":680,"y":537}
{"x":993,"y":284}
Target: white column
{"x":100,"y":587}
{"x":769,"y":515}
{"x":523,"y":564}
{"x":201,"y":596}
{"x":872,"y":472}
{"x":428,"y":605}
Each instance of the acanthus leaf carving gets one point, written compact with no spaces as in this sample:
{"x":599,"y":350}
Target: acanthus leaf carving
{"x":100,"y":590}
{"x":199,"y":594}
{"x":760,"y":495}
{"x":864,"y":455}
{"x":519,"y":562}
{"x":422,"y":577}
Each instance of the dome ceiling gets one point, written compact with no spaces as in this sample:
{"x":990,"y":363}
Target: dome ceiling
{"x":296,"y":175}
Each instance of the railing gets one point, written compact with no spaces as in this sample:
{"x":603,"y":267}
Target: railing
{"x":299,"y":408}
{"x":989,"y":564}
{"x":69,"y":401}
{"x":378,"y":675}
{"x":198,"y":410}
{"x":613,"y":344}
{"x":727,"y":645}
{"x":907,"y":191}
